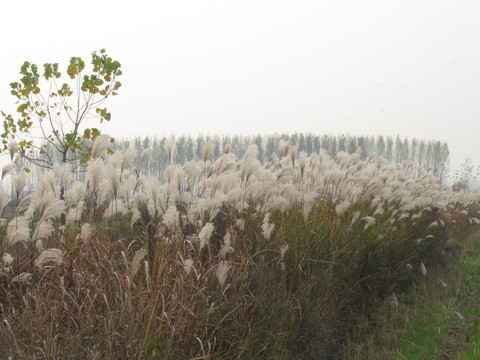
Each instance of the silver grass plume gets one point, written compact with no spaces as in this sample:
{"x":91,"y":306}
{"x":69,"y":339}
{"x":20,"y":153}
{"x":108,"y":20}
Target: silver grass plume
{"x":249,"y":164}
{"x":135,"y":216}
{"x":282,"y":147}
{"x":128,"y":155}
{"x":205,"y":234}
{"x":77,"y":193}
{"x":19,"y":181}
{"x":224,"y":164}
{"x":207,"y":150}
{"x":334,"y":176}
{"x":85,"y":232}
{"x":272,"y":162}
{"x":127,"y":189}
{"x":193,"y":170}
{"x":113,"y":178}
{"x":443,"y":283}
{"x":42,"y":231}
{"x":355,"y":217}
{"x":96,"y":180}
{"x":23,"y":278}
{"x":405,"y":215}
{"x":293,"y":153}
{"x":115,"y":160}
{"x":433,"y":224}
{"x":222,"y":272}
{"x":393,"y":301}
{"x":178,"y":182}
{"x":302,"y":162}
{"x":52,"y":255}
{"x":267,"y":228}
{"x":147,"y":274}
{"x":74,"y":213}
{"x":308,"y":202}
{"x":204,"y":210}
{"x":24,"y":204}
{"x":48,"y":183}
{"x":369,"y":221}
{"x":156,"y":194}
{"x":174,"y":176}
{"x":13,"y":149}
{"x":187,"y":265}
{"x":63,"y":172}
{"x":4,"y":199}
{"x":114,"y":207}
{"x":171,"y":218}
{"x":7,"y":260}
{"x":139,"y":199}
{"x":169,"y":147}
{"x":423,"y":269}
{"x":240,"y":223}
{"x":46,"y":207}
{"x":18,"y":230}
{"x":136,"y":262}
{"x":227,"y":149}
{"x":342,"y":158}
{"x":100,"y":146}
{"x":7,"y":170}
{"x":226,"y":246}
{"x":283,"y":250}
{"x":342,"y":207}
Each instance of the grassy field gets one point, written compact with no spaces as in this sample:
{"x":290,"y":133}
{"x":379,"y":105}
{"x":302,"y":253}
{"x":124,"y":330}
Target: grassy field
{"x":303,"y":257}
{"x":437,"y":318}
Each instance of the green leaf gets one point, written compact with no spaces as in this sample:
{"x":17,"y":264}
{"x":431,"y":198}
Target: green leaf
{"x":95,"y":133}
{"x":48,"y":71}
{"x":76,"y":67}
{"x":22,"y":108}
{"x":72,"y":70}
{"x":51,"y":70}
{"x":65,"y":90}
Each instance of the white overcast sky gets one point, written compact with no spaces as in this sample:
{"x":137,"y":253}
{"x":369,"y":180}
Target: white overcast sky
{"x":409,"y":67}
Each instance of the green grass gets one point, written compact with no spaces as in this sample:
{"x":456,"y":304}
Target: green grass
{"x":470,"y":268}
{"x":425,"y":325}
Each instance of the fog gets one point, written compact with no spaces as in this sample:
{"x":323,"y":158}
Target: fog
{"x":372,"y":67}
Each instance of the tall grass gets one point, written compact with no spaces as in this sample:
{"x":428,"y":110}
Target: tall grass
{"x":231,"y":259}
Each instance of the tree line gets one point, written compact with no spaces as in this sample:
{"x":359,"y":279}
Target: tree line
{"x":152,"y":159}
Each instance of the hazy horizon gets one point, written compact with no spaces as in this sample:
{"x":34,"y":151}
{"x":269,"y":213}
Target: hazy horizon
{"x":210,"y":67}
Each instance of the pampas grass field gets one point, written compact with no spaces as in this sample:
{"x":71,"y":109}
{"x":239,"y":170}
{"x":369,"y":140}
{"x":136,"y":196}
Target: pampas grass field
{"x":225,"y":260}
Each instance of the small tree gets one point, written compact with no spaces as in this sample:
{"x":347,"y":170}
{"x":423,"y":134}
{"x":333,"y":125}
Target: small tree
{"x":54,"y":110}
{"x":466,"y":176}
